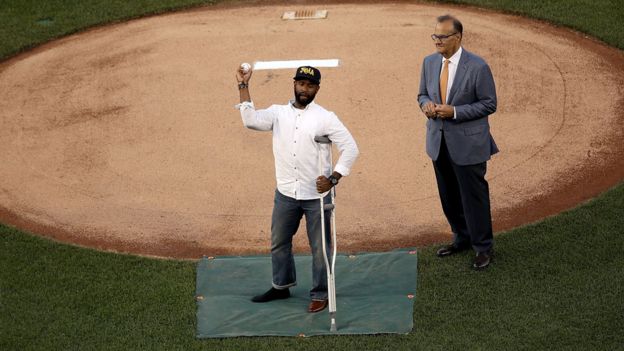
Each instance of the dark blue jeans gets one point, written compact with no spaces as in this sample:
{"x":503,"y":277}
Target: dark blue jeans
{"x":287,"y":214}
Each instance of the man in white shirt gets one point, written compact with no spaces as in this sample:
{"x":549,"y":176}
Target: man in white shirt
{"x":299,"y":185}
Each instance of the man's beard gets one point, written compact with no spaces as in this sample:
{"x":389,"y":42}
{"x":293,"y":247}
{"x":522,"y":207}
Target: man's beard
{"x":306,"y":102}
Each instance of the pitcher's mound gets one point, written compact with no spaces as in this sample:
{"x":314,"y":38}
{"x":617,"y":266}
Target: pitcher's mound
{"x":125,"y":137}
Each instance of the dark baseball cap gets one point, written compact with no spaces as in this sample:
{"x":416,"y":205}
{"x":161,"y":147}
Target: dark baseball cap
{"x":310,"y":73}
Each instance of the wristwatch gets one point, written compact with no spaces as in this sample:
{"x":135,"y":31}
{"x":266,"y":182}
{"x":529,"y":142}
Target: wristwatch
{"x":333,"y":180}
{"x":242,"y":85}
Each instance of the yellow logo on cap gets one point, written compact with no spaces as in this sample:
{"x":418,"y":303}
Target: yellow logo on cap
{"x":307,"y":70}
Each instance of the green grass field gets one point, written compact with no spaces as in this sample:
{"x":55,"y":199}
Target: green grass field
{"x":557,"y":284}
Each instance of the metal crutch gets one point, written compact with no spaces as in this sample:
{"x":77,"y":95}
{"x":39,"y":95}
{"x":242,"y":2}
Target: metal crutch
{"x":331,"y":281}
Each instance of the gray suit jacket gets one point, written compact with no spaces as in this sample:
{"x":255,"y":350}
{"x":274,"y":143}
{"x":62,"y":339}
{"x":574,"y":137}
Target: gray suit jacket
{"x":473,"y":94}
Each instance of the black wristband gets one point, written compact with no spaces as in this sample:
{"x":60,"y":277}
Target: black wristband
{"x":333,"y":180}
{"x":242,"y":85}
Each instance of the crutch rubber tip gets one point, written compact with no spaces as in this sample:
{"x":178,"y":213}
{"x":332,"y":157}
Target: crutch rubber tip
{"x":333,"y":328}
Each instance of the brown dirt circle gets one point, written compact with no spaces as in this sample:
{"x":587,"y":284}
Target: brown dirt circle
{"x":124,"y":137}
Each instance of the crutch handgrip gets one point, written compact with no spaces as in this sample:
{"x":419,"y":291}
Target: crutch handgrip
{"x":322,"y":139}
{"x":328,"y":207}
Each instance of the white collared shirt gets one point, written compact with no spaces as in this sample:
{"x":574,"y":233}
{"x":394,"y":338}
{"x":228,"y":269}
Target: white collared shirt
{"x":294,"y":148}
{"x":452,"y":67}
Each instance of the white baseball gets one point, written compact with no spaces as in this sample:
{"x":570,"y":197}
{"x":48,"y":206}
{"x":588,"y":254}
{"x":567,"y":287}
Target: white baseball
{"x":245,"y":67}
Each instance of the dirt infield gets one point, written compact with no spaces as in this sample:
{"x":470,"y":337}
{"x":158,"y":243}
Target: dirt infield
{"x":125,"y":138}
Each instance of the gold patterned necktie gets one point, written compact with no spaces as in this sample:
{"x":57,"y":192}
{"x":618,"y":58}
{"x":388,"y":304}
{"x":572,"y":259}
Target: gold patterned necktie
{"x":444,"y":81}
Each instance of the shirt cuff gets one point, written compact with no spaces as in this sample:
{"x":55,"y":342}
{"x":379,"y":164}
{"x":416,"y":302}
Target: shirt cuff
{"x":244,"y":105}
{"x":454,"y":113}
{"x":344,"y":171}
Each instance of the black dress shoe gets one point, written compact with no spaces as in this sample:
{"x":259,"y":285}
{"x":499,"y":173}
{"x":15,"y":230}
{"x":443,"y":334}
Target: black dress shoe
{"x":272,"y":294}
{"x":482,"y":260}
{"x":448,"y":250}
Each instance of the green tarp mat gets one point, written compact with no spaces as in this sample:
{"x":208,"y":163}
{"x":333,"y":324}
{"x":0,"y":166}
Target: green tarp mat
{"x":375,"y":294}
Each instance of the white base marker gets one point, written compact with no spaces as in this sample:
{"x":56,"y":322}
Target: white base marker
{"x":260,"y":65}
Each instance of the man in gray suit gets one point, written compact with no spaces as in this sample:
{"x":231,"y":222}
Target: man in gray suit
{"x":457,"y":94}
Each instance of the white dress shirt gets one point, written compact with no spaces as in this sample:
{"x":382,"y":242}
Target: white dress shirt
{"x":452,"y":69}
{"x":294,"y":148}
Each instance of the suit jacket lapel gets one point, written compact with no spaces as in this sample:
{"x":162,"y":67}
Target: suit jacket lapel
{"x":460,"y":74}
{"x":437,"y":67}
